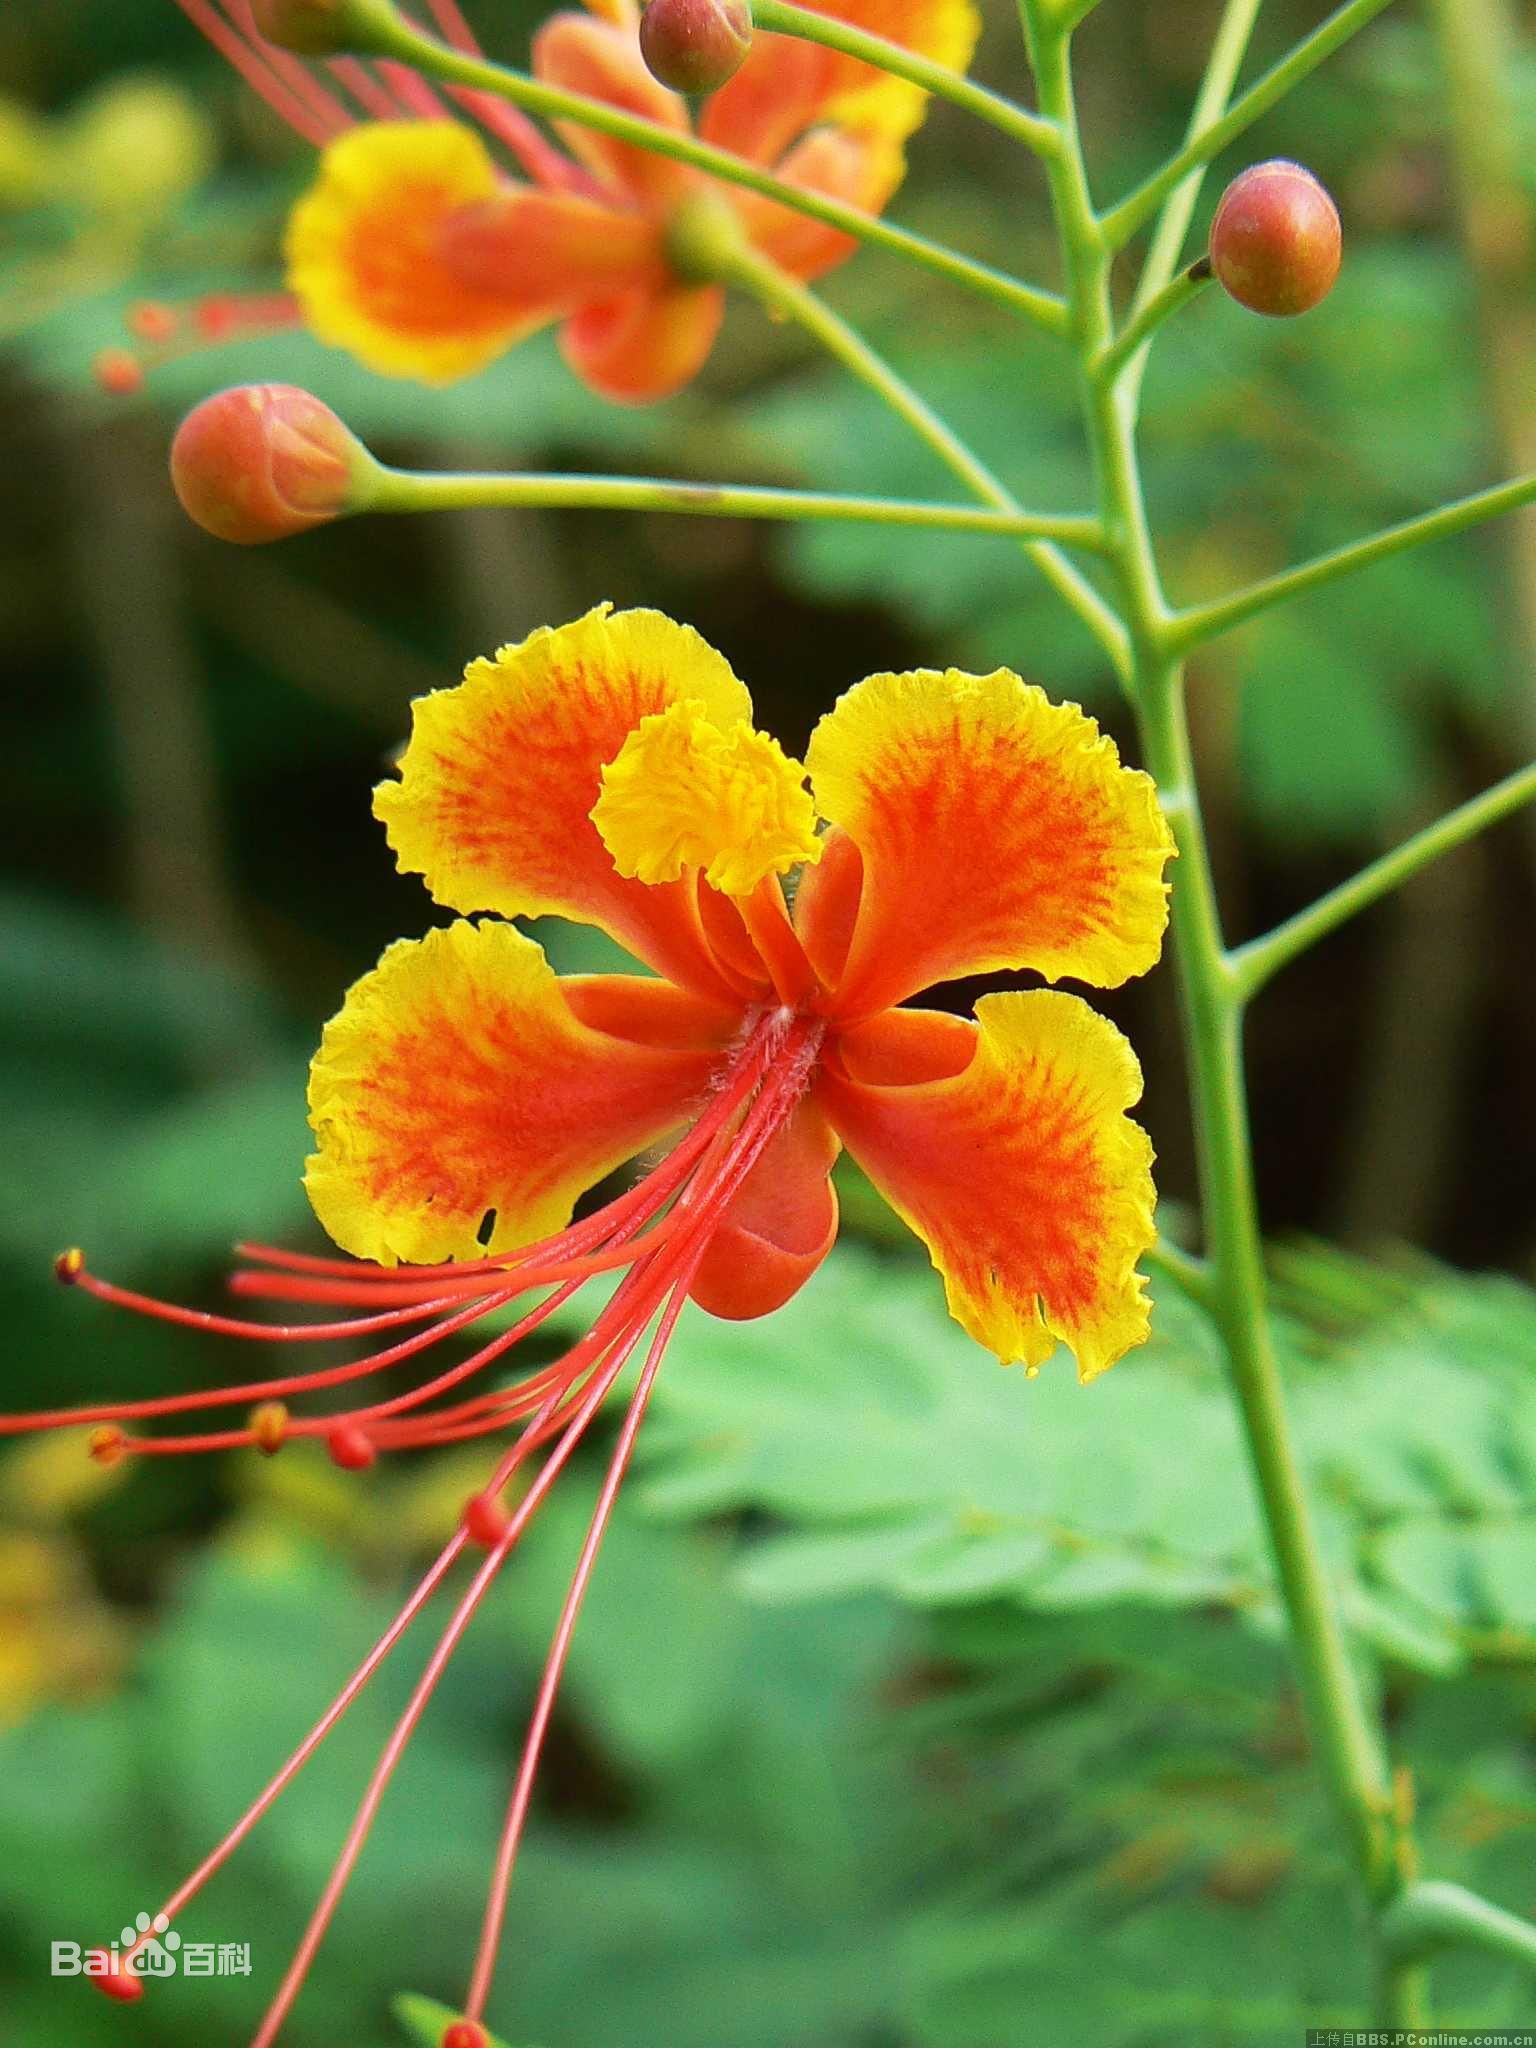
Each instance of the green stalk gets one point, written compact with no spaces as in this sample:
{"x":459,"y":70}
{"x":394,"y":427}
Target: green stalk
{"x":1432,"y":1915}
{"x":433,"y":59}
{"x":1122,"y":221}
{"x":1014,"y":121}
{"x":1256,"y":962}
{"x":1138,"y":331}
{"x":1345,"y":1739}
{"x":401,"y":490}
{"x":1198,"y":623}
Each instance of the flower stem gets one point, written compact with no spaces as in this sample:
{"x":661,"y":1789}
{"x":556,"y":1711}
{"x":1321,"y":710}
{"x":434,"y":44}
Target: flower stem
{"x":1213,"y":135}
{"x":1432,"y":1915}
{"x":1014,"y":121}
{"x":1255,"y":963}
{"x":1346,"y":1741}
{"x":399,"y":490}
{"x":437,"y":60}
{"x":1141,"y":327}
{"x":1204,"y":622}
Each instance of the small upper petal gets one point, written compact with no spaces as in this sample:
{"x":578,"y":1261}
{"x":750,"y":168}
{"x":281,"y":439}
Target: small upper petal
{"x":493,"y":802}
{"x":602,"y":59}
{"x":996,"y":830}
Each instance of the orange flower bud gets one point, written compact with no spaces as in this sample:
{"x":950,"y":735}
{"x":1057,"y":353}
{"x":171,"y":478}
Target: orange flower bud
{"x":1276,"y":242}
{"x":465,"y":2034}
{"x":261,"y":461}
{"x":695,"y":45}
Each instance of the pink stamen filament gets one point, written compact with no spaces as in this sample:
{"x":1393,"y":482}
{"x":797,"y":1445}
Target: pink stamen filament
{"x":772,"y":1068}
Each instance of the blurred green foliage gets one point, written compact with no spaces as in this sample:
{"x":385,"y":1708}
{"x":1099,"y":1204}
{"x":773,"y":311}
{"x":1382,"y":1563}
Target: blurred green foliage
{"x":916,"y":1706}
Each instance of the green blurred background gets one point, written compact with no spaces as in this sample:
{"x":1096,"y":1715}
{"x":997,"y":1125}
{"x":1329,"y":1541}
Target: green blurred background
{"x":916,"y":1706}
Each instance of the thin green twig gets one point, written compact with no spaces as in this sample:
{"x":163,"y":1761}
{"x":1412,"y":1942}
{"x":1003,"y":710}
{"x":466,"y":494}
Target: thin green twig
{"x":1255,"y":963}
{"x":1191,"y":627}
{"x":399,"y":490}
{"x":1432,"y":1915}
{"x":1122,"y":220}
{"x":1014,"y":121}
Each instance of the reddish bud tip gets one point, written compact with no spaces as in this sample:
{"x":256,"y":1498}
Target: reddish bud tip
{"x":119,"y":371}
{"x":694,"y":46}
{"x":351,"y":1448}
{"x":269,"y":1427}
{"x":261,"y":461}
{"x":153,"y":322}
{"x":112,"y":1977}
{"x":68,"y":1266}
{"x":107,"y":1445}
{"x":1276,"y":243}
{"x":485,"y":1520}
{"x":465,"y":2034}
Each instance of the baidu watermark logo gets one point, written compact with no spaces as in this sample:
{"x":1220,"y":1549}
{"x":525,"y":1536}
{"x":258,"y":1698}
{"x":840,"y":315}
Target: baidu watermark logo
{"x":151,"y":1948}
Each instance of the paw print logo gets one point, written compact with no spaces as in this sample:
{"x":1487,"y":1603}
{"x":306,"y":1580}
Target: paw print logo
{"x":157,"y":1958}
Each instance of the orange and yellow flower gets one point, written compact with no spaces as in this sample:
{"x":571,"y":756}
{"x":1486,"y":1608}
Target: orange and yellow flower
{"x":420,"y":254}
{"x":609,"y":772}
{"x":466,"y":1096}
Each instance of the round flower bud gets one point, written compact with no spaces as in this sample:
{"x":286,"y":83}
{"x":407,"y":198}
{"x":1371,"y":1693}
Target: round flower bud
{"x":694,"y":46}
{"x":465,"y":2034}
{"x":1275,"y":241}
{"x":261,"y":461}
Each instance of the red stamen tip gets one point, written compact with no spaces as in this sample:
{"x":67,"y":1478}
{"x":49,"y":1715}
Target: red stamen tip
{"x":269,"y":1427}
{"x":119,"y":371}
{"x":351,"y":1448}
{"x":485,"y":1520}
{"x":153,"y":321}
{"x":465,"y":2034}
{"x":68,"y":1266}
{"x":112,"y":1977}
{"x":108,"y":1445}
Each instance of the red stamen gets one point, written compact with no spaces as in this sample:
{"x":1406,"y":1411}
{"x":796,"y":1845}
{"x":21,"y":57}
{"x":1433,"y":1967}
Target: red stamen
{"x":465,"y":2034}
{"x":119,"y":371}
{"x":484,"y":1521}
{"x":152,"y":322}
{"x":371,"y":96}
{"x":351,"y":1448}
{"x":290,"y":70}
{"x":257,"y":74}
{"x":112,"y":1976}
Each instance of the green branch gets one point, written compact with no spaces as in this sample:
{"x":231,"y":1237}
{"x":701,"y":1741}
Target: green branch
{"x":1255,"y":963}
{"x":1122,"y":221}
{"x":1204,"y":622}
{"x":1228,"y":50}
{"x":1014,"y":121}
{"x":436,"y":60}
{"x":1432,"y":1915}
{"x":401,"y":490}
{"x":1139,"y":330}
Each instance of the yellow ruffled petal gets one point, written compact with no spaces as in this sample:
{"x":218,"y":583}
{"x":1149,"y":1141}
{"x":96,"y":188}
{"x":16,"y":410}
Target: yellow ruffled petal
{"x":1010,"y":1154}
{"x":996,"y":829}
{"x":493,"y":805}
{"x":462,"y":1102}
{"x":364,"y":259}
{"x":681,"y":793}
